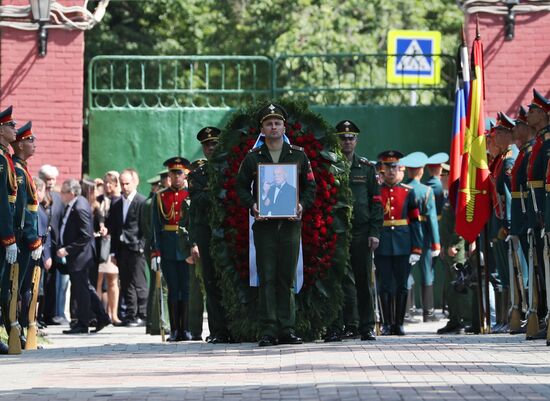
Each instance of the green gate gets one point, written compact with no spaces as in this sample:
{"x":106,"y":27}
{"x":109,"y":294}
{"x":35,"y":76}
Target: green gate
{"x":144,"y":109}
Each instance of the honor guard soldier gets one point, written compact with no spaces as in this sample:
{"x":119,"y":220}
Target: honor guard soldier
{"x":454,"y":251}
{"x":367,"y":221}
{"x":400,"y":242}
{"x":26,"y":218}
{"x":170,"y":215}
{"x":8,"y":195}
{"x":431,"y":247}
{"x":277,"y":241}
{"x":152,"y":325}
{"x":537,"y":118}
{"x":523,"y":136}
{"x":434,"y":166}
{"x":201,"y":233}
{"x":502,"y":196}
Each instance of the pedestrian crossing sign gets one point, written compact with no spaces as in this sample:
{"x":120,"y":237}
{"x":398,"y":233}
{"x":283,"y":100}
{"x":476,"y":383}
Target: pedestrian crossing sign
{"x":414,"y":57}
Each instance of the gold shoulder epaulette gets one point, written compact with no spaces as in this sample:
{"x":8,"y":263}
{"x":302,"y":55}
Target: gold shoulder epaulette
{"x":294,"y":147}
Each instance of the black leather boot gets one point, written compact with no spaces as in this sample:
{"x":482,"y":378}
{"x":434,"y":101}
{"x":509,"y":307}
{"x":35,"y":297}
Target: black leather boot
{"x":174,"y":319}
{"x":400,"y":309}
{"x":183,"y":328}
{"x":428,"y":313}
{"x":385,"y":304}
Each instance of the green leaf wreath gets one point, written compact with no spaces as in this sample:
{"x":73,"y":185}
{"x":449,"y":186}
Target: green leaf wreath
{"x":325,"y":228}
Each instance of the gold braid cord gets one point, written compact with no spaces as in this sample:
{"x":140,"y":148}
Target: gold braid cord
{"x":167,"y":216}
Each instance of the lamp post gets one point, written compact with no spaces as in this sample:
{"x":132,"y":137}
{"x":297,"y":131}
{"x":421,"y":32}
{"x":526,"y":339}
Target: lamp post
{"x":510,"y":19}
{"x":40,"y":10}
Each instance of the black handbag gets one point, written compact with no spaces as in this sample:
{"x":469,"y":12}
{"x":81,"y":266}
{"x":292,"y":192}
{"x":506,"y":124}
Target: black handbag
{"x":104,"y":249}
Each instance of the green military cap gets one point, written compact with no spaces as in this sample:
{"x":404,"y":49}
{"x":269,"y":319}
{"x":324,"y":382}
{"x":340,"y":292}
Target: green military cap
{"x":207,"y":134}
{"x":272,"y":110}
{"x":163,"y":173}
{"x":522,"y":115}
{"x":347,"y":129}
{"x":504,"y":122}
{"x":154,"y":180}
{"x":539,"y":102}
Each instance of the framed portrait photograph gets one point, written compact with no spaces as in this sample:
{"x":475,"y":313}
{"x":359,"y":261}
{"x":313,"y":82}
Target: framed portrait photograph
{"x":277,"y":190}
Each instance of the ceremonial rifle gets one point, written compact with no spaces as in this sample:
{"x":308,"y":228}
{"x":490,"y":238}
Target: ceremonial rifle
{"x":514,"y":313}
{"x":376,"y":301}
{"x":532,"y":316}
{"x":14,"y":344}
{"x":32,"y":330}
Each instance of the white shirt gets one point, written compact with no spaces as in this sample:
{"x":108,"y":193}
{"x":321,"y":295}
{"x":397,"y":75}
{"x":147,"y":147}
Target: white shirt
{"x":126,"y":202}
{"x":68,"y":209}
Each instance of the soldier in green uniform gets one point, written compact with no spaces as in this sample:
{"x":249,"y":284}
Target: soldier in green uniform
{"x":503,"y":205}
{"x":152,"y":325}
{"x":8,"y":195}
{"x":431,"y":247}
{"x":200,"y":233}
{"x":538,"y":118}
{"x":26,"y":219}
{"x":170,"y":215}
{"x":366,"y":225}
{"x":277,"y":241}
{"x":453,"y":254}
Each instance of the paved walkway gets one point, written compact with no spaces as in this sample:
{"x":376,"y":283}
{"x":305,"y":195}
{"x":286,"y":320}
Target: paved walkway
{"x":124,"y":364}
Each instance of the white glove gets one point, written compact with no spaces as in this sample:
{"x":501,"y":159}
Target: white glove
{"x":35,"y":255}
{"x":11,"y":254}
{"x":413,"y":258}
{"x":155,"y":263}
{"x":435,"y":253}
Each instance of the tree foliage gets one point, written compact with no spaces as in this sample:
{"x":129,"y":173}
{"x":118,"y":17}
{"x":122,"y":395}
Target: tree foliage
{"x":265,"y":27}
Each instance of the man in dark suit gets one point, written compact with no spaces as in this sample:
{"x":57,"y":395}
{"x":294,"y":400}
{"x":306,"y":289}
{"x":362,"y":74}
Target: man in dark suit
{"x":55,"y":283}
{"x":280,"y":199}
{"x":77,"y":249}
{"x":127,"y":244}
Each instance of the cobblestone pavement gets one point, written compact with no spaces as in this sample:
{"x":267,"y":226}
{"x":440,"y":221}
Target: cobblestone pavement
{"x":124,"y":364}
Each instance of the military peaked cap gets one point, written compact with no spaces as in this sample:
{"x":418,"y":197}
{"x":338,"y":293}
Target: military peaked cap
{"x":208,"y":134}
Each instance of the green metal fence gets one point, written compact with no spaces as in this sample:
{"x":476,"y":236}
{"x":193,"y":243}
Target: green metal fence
{"x":153,"y":82}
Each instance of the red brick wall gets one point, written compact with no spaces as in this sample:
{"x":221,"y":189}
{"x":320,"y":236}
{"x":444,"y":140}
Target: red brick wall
{"x":48,"y":91}
{"x":513,"y":68}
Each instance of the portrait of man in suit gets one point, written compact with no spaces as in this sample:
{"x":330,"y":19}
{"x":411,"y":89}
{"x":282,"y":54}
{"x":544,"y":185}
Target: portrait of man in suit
{"x":279,"y":195}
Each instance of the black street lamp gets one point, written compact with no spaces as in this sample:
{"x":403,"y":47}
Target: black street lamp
{"x":40,"y":10}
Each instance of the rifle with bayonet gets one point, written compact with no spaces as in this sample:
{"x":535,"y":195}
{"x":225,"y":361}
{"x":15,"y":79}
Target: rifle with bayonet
{"x":14,"y":342}
{"x":515,"y":294}
{"x":32,"y":329}
{"x":375,"y":296}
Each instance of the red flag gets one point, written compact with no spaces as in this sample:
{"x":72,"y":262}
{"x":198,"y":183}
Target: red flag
{"x":459,"y":122}
{"x":474,"y":203}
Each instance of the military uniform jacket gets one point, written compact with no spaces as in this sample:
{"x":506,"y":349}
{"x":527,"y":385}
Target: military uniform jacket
{"x":289,"y":154}
{"x":26,"y":207}
{"x":170,"y":215}
{"x":449,"y":237}
{"x":368,"y":214}
{"x":536,"y":174}
{"x":200,"y":196}
{"x":503,"y":192}
{"x":437,"y":188}
{"x":401,"y":231}
{"x":520,"y":193}
{"x":428,"y":214}
{"x":8,"y":195}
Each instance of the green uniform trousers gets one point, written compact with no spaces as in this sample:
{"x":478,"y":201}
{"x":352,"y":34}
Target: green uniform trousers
{"x":277,"y":245}
{"x":361,"y":263}
{"x":196,"y":302}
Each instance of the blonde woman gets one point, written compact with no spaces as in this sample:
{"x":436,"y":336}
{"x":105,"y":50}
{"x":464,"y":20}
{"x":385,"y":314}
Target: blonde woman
{"x":108,"y":271}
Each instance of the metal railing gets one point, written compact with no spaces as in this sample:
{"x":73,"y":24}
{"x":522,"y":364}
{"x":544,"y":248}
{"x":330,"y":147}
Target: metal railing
{"x":234,"y":81}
